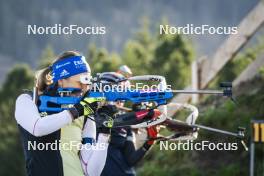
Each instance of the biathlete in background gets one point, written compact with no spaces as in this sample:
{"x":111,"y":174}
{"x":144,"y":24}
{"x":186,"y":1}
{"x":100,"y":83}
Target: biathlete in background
{"x":122,"y":154}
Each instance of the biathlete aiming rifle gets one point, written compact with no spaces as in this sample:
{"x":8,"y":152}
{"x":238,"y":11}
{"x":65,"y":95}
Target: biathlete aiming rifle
{"x":150,"y":99}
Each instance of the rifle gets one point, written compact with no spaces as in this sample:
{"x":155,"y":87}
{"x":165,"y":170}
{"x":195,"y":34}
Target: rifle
{"x":158,"y":98}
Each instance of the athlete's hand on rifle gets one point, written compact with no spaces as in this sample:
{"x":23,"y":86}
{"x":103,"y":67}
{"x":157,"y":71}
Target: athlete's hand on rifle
{"x":153,"y":130}
{"x":110,"y":110}
{"x":105,"y":118}
{"x":87,"y":106}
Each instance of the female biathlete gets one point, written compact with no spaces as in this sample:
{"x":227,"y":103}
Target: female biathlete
{"x":69,"y":70}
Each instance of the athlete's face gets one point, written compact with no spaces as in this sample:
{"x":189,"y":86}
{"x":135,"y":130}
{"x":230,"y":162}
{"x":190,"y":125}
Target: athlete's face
{"x":80,"y":81}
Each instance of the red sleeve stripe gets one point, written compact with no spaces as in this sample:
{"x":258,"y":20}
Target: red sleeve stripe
{"x":141,"y":114}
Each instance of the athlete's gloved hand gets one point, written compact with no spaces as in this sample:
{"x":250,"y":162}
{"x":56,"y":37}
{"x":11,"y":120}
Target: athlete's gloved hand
{"x":110,"y":110}
{"x":87,"y":106}
{"x":152,"y":131}
{"x":152,"y":134}
{"x":105,"y":118}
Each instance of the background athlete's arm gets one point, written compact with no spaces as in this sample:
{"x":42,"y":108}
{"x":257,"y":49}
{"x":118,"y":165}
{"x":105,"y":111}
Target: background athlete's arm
{"x":132,"y":155}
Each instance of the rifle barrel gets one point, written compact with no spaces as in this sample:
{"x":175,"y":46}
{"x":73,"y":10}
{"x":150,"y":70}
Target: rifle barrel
{"x":217,"y":130}
{"x":198,"y":91}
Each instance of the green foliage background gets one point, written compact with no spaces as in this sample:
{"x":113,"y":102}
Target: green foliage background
{"x":150,"y":53}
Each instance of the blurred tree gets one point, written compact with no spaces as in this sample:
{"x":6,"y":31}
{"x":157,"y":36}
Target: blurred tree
{"x":46,"y":58}
{"x":149,"y":53}
{"x":173,"y":58}
{"x":20,"y":77}
{"x":162,"y":54}
{"x":102,"y":61}
{"x":138,"y":52}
